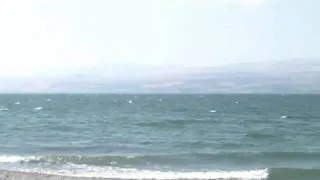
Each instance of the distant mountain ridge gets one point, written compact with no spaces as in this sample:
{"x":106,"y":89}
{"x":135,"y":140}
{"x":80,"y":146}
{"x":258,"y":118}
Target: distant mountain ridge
{"x":291,"y":76}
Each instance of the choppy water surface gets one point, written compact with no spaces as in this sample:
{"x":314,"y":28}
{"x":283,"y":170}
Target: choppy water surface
{"x":162,"y":136}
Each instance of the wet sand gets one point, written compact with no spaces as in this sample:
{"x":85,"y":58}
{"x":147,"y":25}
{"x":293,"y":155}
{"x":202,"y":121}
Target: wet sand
{"x":12,"y":175}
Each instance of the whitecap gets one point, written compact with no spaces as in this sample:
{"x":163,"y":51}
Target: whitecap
{"x":4,"y":109}
{"x":17,"y":103}
{"x":213,"y":111}
{"x":130,"y":101}
{"x":38,"y":108}
{"x":236,"y":102}
{"x":284,"y":117}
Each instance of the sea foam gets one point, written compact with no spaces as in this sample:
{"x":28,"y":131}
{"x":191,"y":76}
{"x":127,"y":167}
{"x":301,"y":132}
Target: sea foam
{"x":73,"y":170}
{"x":90,"y":171}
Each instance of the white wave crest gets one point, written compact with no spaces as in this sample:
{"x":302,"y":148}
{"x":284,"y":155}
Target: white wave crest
{"x":12,"y":159}
{"x":4,"y":109}
{"x":38,"y":108}
{"x":73,"y":170}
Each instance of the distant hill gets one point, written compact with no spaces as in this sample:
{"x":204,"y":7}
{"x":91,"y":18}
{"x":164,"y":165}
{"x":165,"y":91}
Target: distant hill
{"x":291,"y":76}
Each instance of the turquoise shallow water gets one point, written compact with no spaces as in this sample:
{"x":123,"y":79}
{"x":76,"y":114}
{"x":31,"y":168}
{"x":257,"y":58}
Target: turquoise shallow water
{"x":162,"y":136}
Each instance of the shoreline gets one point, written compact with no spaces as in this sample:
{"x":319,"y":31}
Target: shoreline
{"x":16,"y":175}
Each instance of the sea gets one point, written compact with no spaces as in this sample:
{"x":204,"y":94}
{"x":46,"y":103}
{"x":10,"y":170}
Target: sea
{"x":136,"y":136}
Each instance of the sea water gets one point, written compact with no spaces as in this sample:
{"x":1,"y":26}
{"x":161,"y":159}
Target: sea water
{"x":274,"y":137}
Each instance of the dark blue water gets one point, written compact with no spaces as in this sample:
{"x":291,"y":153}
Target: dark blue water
{"x":162,"y":136}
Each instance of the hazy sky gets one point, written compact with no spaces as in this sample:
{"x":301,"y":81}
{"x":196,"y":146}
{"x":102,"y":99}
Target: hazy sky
{"x":51,"y":35}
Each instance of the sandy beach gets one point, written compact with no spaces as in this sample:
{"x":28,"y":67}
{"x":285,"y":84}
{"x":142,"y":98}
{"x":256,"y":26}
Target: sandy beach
{"x":12,"y":175}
